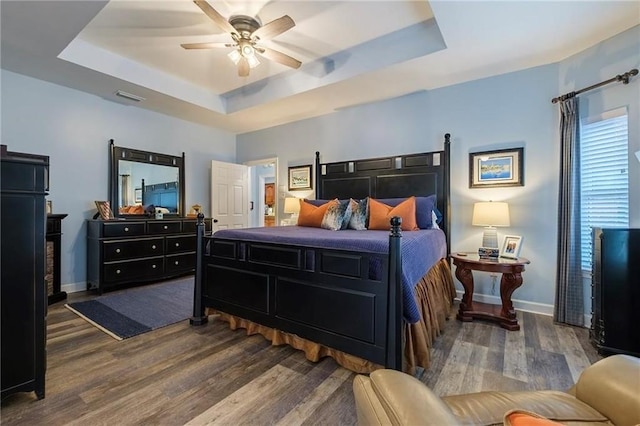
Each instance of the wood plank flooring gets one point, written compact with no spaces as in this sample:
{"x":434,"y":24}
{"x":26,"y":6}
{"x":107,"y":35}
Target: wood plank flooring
{"x":211,"y":375}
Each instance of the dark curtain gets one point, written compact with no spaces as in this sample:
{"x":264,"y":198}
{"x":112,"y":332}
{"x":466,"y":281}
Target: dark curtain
{"x":569,"y":306}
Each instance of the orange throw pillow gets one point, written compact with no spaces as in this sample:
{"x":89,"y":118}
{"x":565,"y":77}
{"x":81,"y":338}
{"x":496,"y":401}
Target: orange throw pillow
{"x":526,"y":418}
{"x":380,"y":214}
{"x":311,"y":215}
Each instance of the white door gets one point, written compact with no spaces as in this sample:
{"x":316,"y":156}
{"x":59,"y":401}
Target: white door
{"x":229,"y":195}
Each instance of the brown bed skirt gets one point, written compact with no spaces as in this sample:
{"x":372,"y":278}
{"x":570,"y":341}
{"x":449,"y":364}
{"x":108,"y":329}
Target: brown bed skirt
{"x":434,"y":294}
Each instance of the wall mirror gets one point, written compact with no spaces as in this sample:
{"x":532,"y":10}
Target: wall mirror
{"x":139,"y":179}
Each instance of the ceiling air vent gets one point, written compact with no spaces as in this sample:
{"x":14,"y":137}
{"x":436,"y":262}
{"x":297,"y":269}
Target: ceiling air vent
{"x":129,"y":96}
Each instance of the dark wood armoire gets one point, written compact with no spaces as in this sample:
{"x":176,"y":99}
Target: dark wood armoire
{"x":616,"y":291}
{"x":23,"y":185}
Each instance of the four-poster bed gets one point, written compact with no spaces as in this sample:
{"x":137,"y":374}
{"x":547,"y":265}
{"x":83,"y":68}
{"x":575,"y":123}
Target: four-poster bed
{"x":362,"y":297}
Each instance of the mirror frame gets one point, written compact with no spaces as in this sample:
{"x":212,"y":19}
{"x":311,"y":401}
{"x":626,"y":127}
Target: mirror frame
{"x":117,"y":153}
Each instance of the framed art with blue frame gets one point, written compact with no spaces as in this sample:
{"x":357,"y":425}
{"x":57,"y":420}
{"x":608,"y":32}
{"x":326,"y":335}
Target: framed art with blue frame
{"x":490,"y":169}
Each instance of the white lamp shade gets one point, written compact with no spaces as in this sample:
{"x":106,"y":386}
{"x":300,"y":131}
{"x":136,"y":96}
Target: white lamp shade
{"x":291,"y":205}
{"x":490,"y":213}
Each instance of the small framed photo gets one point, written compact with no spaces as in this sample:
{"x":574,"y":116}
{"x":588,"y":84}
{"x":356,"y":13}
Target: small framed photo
{"x":104,"y":210}
{"x":300,"y":177}
{"x":491,"y":169}
{"x":511,"y":246}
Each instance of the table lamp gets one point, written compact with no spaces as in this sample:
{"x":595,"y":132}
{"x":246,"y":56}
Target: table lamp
{"x":292,"y":206}
{"x":490,"y":214}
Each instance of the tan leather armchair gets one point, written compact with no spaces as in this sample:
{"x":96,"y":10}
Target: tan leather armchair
{"x":607,"y":392}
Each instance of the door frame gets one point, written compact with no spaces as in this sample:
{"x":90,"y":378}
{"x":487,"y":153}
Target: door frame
{"x":260,"y":162}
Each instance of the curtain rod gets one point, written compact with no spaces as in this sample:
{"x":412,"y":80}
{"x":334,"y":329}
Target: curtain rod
{"x":624,"y":78}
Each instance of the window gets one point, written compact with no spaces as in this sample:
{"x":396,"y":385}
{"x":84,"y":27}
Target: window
{"x":604,"y":176}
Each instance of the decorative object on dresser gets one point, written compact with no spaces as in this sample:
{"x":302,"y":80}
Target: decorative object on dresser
{"x":490,"y":214}
{"x":104,"y":210}
{"x":511,"y":270}
{"x":54,"y":239}
{"x":23,"y":185}
{"x":492,"y":169}
{"x":139,"y":251}
{"x":153,"y":178}
{"x":615,"y":291}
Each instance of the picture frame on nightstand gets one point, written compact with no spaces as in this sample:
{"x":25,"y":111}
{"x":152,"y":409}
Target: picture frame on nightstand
{"x":511,"y":246}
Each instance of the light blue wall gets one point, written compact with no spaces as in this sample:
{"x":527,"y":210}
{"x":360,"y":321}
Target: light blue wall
{"x":505,"y":111}
{"x":602,"y":62}
{"x":73,"y":128}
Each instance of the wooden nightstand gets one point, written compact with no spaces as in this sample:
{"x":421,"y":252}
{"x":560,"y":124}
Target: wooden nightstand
{"x":511,"y":270}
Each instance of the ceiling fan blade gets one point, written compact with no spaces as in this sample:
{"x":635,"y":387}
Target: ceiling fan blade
{"x":215,"y":16}
{"x":274,"y":28}
{"x":279,"y":57}
{"x":205,"y":45}
{"x":243,"y":67}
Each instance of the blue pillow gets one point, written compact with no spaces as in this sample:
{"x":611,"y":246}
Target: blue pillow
{"x":359,"y":214}
{"x":316,"y":203}
{"x":424,"y":207}
{"x":337,"y":216}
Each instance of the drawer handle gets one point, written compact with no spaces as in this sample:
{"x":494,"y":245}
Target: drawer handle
{"x":126,"y":229}
{"x":177,"y":262}
{"x":153,"y":246}
{"x":117,"y":250}
{"x":117,"y":271}
{"x":153,"y":266}
{"x":177,"y":244}
{"x":166,"y":227}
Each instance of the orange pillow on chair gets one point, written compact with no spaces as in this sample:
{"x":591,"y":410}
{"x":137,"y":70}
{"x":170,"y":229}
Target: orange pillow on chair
{"x":311,"y":215}
{"x":380,"y":214}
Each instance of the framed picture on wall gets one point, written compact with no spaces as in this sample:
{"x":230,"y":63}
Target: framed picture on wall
{"x":300,"y":177}
{"x":492,"y":169}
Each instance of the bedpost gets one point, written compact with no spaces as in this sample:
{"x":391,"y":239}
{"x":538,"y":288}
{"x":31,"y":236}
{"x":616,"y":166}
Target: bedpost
{"x":317,"y":175}
{"x":198,"y":317}
{"x":447,"y":191}
{"x":394,"y":346}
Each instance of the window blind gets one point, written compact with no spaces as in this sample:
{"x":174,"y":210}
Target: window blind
{"x":604,"y":177}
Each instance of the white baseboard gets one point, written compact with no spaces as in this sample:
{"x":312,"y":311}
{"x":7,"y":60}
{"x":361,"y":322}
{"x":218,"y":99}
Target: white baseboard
{"x":521,"y":305}
{"x":74,"y":287}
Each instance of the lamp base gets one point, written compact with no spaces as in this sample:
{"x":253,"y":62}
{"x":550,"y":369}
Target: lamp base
{"x":490,"y":237}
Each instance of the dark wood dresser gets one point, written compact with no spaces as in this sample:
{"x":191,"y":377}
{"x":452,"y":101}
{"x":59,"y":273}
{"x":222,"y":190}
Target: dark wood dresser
{"x":54,"y":242}
{"x":616,"y":291}
{"x":23,"y":290}
{"x":136,"y":251}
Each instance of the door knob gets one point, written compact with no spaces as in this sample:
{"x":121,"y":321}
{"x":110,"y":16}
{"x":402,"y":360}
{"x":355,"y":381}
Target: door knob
{"x":215,"y":220}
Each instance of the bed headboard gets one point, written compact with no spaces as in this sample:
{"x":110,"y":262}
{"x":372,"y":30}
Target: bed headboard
{"x":390,"y":177}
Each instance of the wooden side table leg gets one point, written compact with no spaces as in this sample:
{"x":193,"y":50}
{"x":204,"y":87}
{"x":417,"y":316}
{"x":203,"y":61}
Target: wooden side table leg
{"x":465,"y":276}
{"x":508,"y":284}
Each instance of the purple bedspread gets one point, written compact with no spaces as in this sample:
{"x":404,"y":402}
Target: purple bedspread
{"x":420,"y":249}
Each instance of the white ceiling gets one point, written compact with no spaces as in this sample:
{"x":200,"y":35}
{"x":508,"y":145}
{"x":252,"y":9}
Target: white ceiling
{"x":352,"y":52}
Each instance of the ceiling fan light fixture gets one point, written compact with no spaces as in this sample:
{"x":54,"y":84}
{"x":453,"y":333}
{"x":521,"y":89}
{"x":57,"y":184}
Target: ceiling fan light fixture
{"x":253,"y":61}
{"x":235,"y":56}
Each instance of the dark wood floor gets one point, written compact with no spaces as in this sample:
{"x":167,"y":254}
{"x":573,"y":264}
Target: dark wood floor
{"x":201,"y":375}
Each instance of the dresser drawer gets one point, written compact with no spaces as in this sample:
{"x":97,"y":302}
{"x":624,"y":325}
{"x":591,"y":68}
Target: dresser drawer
{"x":189,"y":226}
{"x":122,"y":229}
{"x":130,"y":249}
{"x":180,"y":262}
{"x":180,"y":244}
{"x":133,"y":269}
{"x":163,"y":227}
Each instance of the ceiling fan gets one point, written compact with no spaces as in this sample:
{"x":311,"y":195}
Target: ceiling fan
{"x":246,"y":33}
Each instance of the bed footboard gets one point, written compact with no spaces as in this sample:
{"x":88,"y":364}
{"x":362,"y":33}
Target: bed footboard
{"x":350,"y":301}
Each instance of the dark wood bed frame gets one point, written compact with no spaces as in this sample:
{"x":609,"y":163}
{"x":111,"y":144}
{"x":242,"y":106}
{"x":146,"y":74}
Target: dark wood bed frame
{"x":326,"y":295}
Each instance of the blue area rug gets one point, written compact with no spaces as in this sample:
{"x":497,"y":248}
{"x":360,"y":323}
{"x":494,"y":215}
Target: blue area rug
{"x":127,"y":313}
